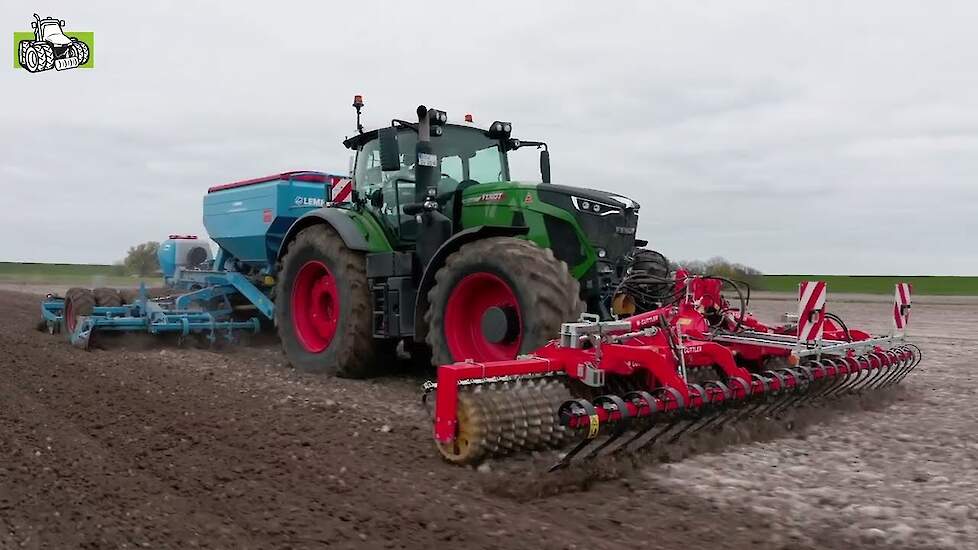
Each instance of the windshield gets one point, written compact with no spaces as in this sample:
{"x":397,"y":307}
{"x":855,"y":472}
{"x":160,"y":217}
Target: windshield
{"x":48,"y":29}
{"x":463,"y":154}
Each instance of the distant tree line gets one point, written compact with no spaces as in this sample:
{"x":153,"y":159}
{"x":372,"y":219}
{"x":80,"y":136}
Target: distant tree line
{"x":141,"y":260}
{"x":721,"y":267}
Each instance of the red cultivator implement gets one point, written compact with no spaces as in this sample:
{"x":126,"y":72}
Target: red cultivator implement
{"x":695,"y":364}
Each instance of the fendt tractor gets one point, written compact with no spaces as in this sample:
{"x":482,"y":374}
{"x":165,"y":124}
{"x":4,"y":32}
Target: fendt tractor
{"x":544,"y":313}
{"x":439,"y":247}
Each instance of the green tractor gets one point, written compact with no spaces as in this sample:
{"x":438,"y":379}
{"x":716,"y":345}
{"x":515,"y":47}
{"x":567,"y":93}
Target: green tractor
{"x":441,"y":250}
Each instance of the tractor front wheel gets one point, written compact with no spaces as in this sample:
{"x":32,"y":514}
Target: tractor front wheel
{"x":498,"y":298}
{"x":322,"y":307}
{"x":43,"y":57}
{"x":80,"y":50}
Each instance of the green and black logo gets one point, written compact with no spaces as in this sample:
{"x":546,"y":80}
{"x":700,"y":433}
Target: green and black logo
{"x":50,"y":46}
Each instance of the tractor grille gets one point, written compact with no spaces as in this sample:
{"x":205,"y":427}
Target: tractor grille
{"x":615,"y":233}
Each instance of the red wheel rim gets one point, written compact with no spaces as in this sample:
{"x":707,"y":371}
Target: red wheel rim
{"x":315,"y":306}
{"x":69,"y":317}
{"x":468,"y":302}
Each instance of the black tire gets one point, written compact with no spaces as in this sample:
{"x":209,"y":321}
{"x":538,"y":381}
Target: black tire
{"x":32,"y":61}
{"x":45,"y":56}
{"x":22,"y":49}
{"x":78,"y":302}
{"x":546,"y":292}
{"x":107,"y":297}
{"x":81,"y":51}
{"x":352,"y":351}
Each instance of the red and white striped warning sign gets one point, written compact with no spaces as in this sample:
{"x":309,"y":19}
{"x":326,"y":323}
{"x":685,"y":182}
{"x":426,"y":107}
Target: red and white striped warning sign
{"x":901,"y":306}
{"x":811,"y":311}
{"x":342,"y":188}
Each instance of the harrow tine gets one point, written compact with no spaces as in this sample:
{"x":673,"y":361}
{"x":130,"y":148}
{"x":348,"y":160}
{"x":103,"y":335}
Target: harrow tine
{"x":570,"y":410}
{"x":843,"y":382}
{"x":640,"y":399}
{"x":803,"y":381}
{"x":647,"y":436}
{"x":897,"y":364}
{"x":621,"y":426}
{"x":915,"y":357}
{"x":876,"y":376}
{"x":650,"y":439}
{"x":862,"y":374}
{"x":824,"y":365}
{"x":693,"y":415}
{"x":716,"y":411}
{"x":907,"y":363}
{"x":749,"y":408}
{"x":782,"y":388}
{"x":689,"y":424}
{"x":857,"y":381}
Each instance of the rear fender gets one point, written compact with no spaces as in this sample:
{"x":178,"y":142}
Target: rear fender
{"x":358,"y":231}
{"x":441,"y":255}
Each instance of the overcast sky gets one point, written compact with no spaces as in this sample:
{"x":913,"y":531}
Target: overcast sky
{"x":816,"y":137}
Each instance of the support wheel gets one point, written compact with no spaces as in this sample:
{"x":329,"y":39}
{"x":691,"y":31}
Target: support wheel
{"x":323,"y":310}
{"x":497,"y":298}
{"x":79,"y":302}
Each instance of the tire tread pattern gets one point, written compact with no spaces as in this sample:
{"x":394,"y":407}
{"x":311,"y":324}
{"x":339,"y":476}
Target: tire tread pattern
{"x":357,"y":353}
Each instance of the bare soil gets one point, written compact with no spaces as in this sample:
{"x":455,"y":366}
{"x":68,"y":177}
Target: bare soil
{"x":140,"y":445}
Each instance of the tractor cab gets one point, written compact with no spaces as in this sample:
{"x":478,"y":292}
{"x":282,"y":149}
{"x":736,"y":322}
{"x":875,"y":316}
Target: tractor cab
{"x":50,"y":30}
{"x":385,"y":169}
{"x":466,"y":156}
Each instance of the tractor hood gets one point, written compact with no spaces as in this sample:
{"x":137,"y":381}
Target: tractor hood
{"x":58,"y":39}
{"x":580,"y":195}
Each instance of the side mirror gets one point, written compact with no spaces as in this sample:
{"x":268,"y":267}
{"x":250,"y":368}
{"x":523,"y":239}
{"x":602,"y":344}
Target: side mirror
{"x":33,"y":24}
{"x":377,"y":198}
{"x":62,"y":23}
{"x":545,"y":166}
{"x":390,"y":152}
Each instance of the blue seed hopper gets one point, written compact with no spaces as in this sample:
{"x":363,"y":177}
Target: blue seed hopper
{"x":214,"y":296}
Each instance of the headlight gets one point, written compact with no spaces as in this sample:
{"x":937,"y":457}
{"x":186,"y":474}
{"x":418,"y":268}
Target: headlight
{"x":602,"y":253}
{"x":592,"y":207}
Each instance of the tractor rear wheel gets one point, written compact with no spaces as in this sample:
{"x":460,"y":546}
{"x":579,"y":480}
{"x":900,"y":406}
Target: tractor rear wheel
{"x":22,"y":49}
{"x":79,"y":302}
{"x":322,"y":307}
{"x":498,"y":298}
{"x":45,"y":56}
{"x":32,"y":61}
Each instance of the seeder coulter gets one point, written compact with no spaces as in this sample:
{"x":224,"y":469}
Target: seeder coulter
{"x":696,"y":363}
